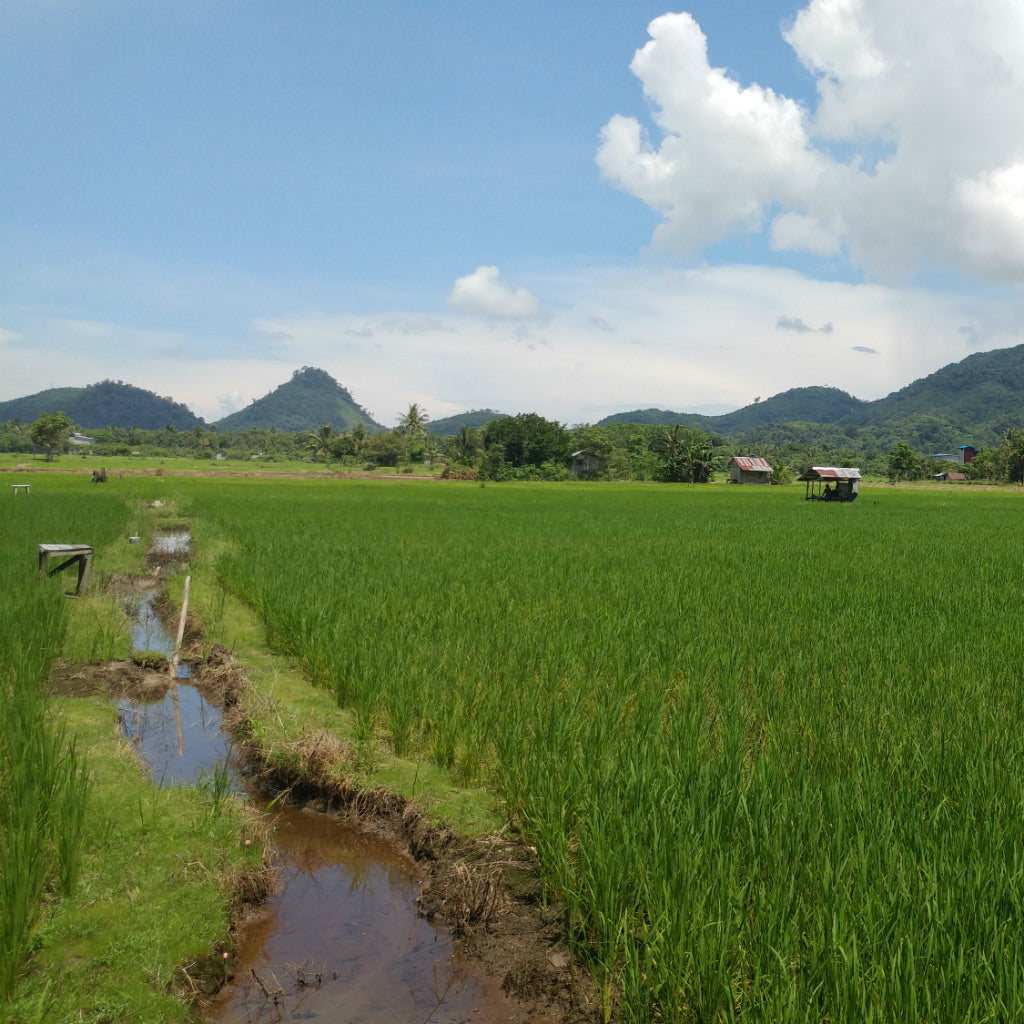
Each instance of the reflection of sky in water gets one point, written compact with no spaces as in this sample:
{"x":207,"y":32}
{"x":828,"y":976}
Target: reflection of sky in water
{"x":171,"y":543}
{"x":148,"y":631}
{"x":153,"y":728}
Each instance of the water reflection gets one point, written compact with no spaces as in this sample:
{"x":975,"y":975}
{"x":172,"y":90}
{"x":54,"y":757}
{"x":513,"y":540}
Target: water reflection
{"x":147,"y":628}
{"x":173,"y":543}
{"x":185,"y":758}
{"x":341,"y":939}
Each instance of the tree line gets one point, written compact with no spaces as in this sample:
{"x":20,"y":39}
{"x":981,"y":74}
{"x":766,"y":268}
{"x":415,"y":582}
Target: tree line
{"x":528,"y":447}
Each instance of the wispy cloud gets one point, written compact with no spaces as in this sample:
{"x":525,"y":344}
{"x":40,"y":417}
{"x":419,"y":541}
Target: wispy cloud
{"x":791,"y":323}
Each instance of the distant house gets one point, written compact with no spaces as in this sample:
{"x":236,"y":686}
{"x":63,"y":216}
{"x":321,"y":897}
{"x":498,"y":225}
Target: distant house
{"x":831,"y":483}
{"x":945,"y":457}
{"x":80,"y":439}
{"x":586,"y":463}
{"x":956,"y":478}
{"x":967,"y":453}
{"x":749,"y":469}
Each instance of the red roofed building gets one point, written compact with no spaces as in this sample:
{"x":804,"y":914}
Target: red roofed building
{"x":749,"y":469}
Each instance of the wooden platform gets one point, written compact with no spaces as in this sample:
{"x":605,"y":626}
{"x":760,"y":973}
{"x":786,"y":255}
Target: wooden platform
{"x":73,"y":554}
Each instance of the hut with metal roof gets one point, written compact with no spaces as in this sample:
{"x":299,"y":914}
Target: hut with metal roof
{"x":585,"y":463}
{"x":749,"y":469}
{"x":831,"y":483}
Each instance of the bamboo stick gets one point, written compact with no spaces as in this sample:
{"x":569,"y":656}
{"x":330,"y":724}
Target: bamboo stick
{"x":174,"y":667}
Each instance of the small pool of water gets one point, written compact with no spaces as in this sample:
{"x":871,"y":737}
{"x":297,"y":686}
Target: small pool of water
{"x":174,"y":543}
{"x":198,"y":752}
{"x":148,"y":631}
{"x":341,"y":940}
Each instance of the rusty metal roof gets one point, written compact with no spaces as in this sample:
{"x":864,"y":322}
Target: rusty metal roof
{"x":752,"y":464}
{"x":831,"y":473}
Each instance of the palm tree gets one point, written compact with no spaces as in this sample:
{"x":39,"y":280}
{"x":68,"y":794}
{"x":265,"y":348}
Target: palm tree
{"x":687,"y":456}
{"x":414,"y":422}
{"x":321,"y":440}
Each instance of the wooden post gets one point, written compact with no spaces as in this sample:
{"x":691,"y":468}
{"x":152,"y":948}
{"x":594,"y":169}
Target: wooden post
{"x":174,"y":667}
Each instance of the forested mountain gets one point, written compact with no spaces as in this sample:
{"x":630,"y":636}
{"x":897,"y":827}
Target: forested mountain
{"x":306,"y":402}
{"x":453,"y":424}
{"x":983,"y":393}
{"x":807,"y":405}
{"x":973,"y":401}
{"x":106,"y":404}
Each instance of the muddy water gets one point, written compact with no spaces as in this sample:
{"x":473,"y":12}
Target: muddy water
{"x":341,"y":940}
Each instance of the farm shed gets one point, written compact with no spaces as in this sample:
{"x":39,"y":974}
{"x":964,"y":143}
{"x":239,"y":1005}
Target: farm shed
{"x":957,"y":478}
{"x":749,"y":469}
{"x":967,"y":453}
{"x":586,"y":463}
{"x":831,"y":483}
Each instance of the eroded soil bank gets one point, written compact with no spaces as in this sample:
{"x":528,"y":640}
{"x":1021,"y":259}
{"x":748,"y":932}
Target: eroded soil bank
{"x":486,"y":893}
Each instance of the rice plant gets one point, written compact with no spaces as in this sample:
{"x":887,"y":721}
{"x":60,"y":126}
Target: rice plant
{"x":770,"y":754}
{"x":43,"y":787}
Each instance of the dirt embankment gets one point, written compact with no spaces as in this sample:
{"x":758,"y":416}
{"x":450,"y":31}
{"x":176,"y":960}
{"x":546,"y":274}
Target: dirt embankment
{"x":487,"y":891}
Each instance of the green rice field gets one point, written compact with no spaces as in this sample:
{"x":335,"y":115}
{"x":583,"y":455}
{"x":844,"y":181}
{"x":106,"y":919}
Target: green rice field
{"x":769,"y":751}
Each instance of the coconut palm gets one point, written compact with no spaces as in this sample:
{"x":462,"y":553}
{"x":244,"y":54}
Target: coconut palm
{"x":414,"y":422}
{"x":321,"y":441}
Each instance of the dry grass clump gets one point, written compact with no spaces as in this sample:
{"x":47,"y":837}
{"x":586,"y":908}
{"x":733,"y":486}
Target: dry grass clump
{"x":319,"y":755}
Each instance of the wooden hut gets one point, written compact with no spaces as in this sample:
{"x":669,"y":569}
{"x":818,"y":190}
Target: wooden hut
{"x":749,"y":469}
{"x":586,"y":463}
{"x":831,"y":483}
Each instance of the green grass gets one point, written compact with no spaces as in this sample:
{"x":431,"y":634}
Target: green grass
{"x":152,"y":892}
{"x":769,"y":751}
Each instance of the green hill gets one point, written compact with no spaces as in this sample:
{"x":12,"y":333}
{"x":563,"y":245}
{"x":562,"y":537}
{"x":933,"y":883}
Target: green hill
{"x":983,"y":394}
{"x":306,"y":402}
{"x":805,"y":405}
{"x":108,"y":403}
{"x":453,"y":424}
{"x":973,"y":401}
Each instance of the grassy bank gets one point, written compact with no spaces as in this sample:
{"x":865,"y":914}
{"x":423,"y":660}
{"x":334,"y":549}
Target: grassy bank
{"x":109,"y":885}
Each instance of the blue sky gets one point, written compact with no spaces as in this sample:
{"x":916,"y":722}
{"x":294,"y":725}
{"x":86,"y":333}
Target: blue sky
{"x":569,"y":208}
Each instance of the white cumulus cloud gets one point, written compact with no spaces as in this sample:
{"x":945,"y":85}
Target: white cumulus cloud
{"x":484,"y":292}
{"x":913,"y":156}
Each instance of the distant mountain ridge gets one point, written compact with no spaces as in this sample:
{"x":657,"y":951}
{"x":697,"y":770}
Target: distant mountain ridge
{"x":981,"y":396}
{"x":810,"y":405}
{"x":453,"y":424}
{"x":309,"y":400}
{"x":978,"y":399}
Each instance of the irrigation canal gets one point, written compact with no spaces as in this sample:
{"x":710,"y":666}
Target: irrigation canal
{"x":340,"y":940}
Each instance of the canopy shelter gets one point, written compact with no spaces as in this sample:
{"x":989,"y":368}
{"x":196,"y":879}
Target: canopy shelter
{"x":831,"y":483}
